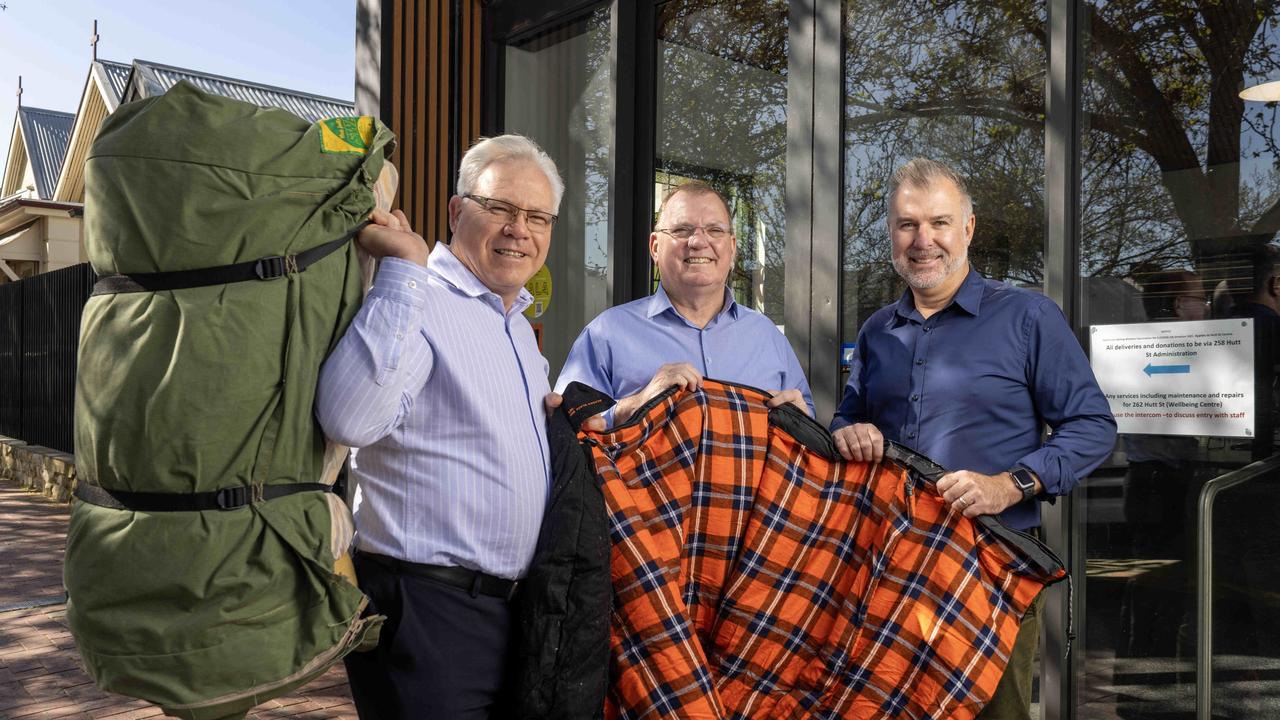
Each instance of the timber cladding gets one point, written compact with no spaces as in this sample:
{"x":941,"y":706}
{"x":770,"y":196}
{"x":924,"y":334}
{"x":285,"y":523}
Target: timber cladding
{"x":431,"y":99}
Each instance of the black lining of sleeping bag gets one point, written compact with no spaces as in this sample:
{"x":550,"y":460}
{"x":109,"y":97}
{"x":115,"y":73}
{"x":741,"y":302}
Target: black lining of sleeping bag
{"x":267,"y":268}
{"x":228,"y":498}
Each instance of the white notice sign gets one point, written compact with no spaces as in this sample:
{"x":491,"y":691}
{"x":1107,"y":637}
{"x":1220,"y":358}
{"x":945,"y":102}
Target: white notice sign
{"x":1177,"y":378}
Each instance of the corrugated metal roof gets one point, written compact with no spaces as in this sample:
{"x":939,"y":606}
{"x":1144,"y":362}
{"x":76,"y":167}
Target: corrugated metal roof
{"x":151,"y":79}
{"x":46,"y":134}
{"x":117,"y":75}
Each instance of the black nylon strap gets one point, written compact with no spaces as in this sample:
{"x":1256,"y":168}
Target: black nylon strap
{"x":267,"y":268}
{"x":229,"y":498}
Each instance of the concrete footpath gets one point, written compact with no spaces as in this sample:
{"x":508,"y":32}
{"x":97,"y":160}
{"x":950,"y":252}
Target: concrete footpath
{"x":40,"y":672}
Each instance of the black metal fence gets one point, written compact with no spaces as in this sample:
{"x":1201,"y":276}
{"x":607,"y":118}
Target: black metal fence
{"x":39,"y":334}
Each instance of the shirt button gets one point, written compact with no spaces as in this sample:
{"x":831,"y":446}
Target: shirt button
{"x":399,"y":336}
{"x":920,"y":361}
{"x":412,"y":283}
{"x":915,"y":398}
{"x":911,"y":434}
{"x":926,"y":330}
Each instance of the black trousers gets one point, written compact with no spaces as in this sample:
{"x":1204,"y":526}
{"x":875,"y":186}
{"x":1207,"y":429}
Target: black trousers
{"x":442,"y":654}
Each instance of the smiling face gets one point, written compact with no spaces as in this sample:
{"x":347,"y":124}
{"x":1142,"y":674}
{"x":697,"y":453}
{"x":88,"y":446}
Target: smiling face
{"x":697,"y":265}
{"x":502,"y":255}
{"x":930,"y":228}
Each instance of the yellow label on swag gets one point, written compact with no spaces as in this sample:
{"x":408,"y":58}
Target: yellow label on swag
{"x":346,"y":135}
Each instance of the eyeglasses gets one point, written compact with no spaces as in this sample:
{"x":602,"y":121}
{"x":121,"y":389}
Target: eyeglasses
{"x":504,"y":211}
{"x":684,"y":232}
{"x":1193,"y":300}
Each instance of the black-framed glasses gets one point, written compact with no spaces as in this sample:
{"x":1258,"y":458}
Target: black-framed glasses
{"x":684,"y":232}
{"x":507,"y":213}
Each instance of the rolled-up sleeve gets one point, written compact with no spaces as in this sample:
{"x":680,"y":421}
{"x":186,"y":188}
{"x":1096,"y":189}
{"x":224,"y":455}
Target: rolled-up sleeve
{"x":368,"y":383}
{"x":1069,"y":400}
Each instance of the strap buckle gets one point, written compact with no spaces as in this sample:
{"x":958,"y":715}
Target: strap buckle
{"x":270,"y":268}
{"x":232,"y":498}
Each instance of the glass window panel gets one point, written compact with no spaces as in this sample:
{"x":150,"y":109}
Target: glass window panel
{"x":559,"y":91}
{"x":961,"y":82}
{"x":722,"y":118}
{"x":1180,"y":194}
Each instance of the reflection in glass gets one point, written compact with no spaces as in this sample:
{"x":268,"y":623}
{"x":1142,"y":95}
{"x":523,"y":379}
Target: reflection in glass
{"x":560,"y":93}
{"x":961,"y":82}
{"x":1180,"y":195}
{"x":721,"y":118}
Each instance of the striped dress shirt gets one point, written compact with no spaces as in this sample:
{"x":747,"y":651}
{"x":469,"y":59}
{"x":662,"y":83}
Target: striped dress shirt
{"x":442,"y":392}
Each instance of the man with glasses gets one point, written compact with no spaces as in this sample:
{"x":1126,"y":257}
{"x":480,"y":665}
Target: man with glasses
{"x":691,"y":327}
{"x":440,"y":385}
{"x":969,"y":372}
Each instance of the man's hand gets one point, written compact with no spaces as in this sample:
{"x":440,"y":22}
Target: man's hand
{"x":975,"y":494}
{"x":684,"y":375}
{"x":595,"y":423}
{"x":389,"y":235}
{"x":860,"y":442}
{"x":793,"y":396}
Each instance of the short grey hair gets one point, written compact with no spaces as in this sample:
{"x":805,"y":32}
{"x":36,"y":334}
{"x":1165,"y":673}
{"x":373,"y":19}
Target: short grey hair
{"x":923,"y":172}
{"x":487,"y":151}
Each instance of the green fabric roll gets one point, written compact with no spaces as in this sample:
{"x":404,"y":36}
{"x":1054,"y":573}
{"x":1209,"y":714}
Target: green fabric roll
{"x":209,"y":613}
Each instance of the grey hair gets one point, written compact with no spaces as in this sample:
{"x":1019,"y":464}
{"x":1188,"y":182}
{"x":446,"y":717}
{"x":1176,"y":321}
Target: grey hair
{"x":923,"y":172}
{"x":487,"y":151}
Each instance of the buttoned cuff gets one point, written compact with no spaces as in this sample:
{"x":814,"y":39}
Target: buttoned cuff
{"x":402,"y":281}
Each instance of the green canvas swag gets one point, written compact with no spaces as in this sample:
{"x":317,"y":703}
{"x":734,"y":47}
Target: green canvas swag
{"x":207,"y":391}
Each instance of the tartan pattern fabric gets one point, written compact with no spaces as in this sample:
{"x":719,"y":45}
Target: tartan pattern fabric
{"x":755,"y":578}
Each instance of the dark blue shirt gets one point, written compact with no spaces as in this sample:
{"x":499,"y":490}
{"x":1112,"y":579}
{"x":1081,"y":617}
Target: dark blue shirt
{"x":973,"y":386}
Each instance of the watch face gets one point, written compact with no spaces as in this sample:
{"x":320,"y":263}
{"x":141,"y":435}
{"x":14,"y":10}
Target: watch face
{"x":1022,"y":478}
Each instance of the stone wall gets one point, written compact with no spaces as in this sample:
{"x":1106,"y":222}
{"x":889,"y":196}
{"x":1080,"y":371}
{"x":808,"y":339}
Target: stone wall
{"x":52,"y":473}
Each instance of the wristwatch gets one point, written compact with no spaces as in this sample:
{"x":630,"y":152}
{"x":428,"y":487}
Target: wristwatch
{"x":1025,"y":481}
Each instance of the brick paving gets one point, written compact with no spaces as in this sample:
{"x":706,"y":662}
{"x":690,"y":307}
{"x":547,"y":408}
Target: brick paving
{"x":41,"y":677}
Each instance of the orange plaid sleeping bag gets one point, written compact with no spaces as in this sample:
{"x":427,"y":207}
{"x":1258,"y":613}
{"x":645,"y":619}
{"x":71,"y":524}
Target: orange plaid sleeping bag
{"x":756,"y":577}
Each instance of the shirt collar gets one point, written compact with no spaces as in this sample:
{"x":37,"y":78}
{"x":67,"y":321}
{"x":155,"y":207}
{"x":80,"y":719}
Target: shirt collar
{"x":968,"y":296}
{"x":446,"y":266}
{"x":660,"y":302}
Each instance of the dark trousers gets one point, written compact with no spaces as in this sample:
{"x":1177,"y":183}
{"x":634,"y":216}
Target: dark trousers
{"x":442,"y":653}
{"x":1012,"y":698}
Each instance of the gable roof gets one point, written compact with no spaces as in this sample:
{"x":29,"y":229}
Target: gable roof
{"x":113,"y":78}
{"x":102,"y":92}
{"x":150,"y":79}
{"x":45,"y":134}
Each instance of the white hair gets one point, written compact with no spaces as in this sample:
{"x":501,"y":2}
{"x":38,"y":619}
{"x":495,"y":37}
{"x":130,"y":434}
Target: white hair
{"x":507,"y":147}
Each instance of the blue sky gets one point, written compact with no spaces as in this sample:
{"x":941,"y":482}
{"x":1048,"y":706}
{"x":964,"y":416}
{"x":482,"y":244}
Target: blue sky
{"x":308,"y":46}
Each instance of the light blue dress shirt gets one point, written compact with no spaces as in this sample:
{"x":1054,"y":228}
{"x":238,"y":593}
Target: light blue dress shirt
{"x":442,"y":391}
{"x":619,"y":352}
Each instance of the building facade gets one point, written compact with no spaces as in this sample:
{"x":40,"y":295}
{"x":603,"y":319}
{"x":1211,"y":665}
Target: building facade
{"x":1114,"y":166}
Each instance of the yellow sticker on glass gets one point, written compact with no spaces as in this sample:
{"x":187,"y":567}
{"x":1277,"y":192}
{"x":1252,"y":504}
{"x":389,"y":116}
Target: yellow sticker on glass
{"x":346,"y":135}
{"x":539,"y":286}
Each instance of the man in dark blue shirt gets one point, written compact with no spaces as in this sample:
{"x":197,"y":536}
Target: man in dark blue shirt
{"x":969,"y":372}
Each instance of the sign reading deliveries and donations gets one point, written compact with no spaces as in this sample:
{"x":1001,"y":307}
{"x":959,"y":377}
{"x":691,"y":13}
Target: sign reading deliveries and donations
{"x":1177,"y":378}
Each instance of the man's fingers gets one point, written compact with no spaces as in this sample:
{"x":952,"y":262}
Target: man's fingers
{"x":402,"y":221}
{"x":782,"y":397}
{"x":842,"y":445}
{"x":873,"y":442}
{"x":595,"y":423}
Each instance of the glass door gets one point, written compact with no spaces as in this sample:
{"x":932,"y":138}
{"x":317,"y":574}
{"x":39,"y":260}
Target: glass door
{"x":721,"y":117}
{"x":1180,"y":278}
{"x":559,"y":90}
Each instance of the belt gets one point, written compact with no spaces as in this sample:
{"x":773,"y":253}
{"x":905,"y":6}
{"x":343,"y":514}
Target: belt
{"x":473,"y":581}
